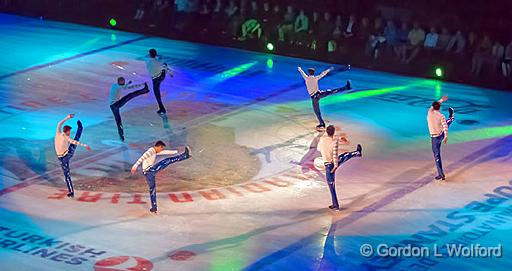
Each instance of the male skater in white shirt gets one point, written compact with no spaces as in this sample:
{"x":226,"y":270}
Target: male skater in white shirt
{"x":65,"y":148}
{"x":157,"y":71}
{"x":311,"y":81}
{"x":328,"y":147}
{"x":116,"y":101}
{"x":438,"y":128}
{"x":150,"y":168}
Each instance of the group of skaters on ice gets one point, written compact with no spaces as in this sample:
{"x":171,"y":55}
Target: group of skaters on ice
{"x":328,"y":145}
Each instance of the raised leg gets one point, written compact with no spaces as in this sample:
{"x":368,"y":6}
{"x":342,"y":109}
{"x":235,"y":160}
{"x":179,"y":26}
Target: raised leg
{"x":72,"y":147}
{"x":126,"y":98}
{"x":344,"y":157}
{"x":168,"y":161}
{"x":316,"y":108}
{"x":436,"y":149}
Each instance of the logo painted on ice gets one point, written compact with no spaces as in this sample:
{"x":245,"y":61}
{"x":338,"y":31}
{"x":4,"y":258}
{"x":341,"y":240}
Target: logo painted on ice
{"x":123,"y":263}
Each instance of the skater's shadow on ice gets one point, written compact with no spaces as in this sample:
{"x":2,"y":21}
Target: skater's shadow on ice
{"x":33,"y":158}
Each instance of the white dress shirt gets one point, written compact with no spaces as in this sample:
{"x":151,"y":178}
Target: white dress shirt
{"x":149,"y":157}
{"x":312,"y":80}
{"x":62,"y":140}
{"x":436,"y":122}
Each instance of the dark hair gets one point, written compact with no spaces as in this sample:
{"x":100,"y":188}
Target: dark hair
{"x":120,"y":79}
{"x":436,"y":105}
{"x":311,"y":71}
{"x":159,"y":143}
{"x":66,"y":128}
{"x":152,"y":53}
{"x":330,"y":130}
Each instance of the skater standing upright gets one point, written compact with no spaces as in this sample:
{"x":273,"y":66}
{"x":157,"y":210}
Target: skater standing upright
{"x":157,"y":71}
{"x":316,"y":94}
{"x":116,"y":101}
{"x":438,"y":128}
{"x":65,"y":148}
{"x":150,"y":168}
{"x":329,"y":148}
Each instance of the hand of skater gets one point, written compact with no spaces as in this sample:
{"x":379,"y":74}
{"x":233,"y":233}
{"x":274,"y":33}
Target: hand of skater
{"x":71,"y":116}
{"x":444,"y":98}
{"x":133,"y":170}
{"x":88,"y":148}
{"x":445,"y":140}
{"x":344,"y":140}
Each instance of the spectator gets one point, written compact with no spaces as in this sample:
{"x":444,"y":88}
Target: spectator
{"x":251,"y":29}
{"x":326,"y":28}
{"x":301,"y":27}
{"x":376,"y":38}
{"x":498,"y":54}
{"x":401,"y":39}
{"x":314,"y":31}
{"x":139,"y":14}
{"x":265,"y":19}
{"x":444,"y":39}
{"x":507,"y":60}
{"x":338,"y":28}
{"x":482,"y":53}
{"x":415,"y":40}
{"x":431,"y":39}
{"x":274,"y":22}
{"x":471,"y":44}
{"x":231,"y":9}
{"x":364,"y":31}
{"x":457,"y":43}
{"x":255,"y":11}
{"x":286,"y":28}
{"x":350,"y":28}
{"x":390,"y":33}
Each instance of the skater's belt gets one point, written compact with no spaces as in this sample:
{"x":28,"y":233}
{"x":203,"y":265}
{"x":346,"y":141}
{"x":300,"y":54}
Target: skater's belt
{"x":62,"y":155}
{"x":431,"y":135}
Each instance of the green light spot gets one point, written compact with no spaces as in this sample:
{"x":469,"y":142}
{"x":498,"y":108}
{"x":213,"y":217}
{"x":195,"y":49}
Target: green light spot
{"x":270,"y":46}
{"x":270,"y":63}
{"x":112,"y":22}
{"x":439,"y":72}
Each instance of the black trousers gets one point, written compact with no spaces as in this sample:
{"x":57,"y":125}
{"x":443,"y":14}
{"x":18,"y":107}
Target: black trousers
{"x":156,"y":89}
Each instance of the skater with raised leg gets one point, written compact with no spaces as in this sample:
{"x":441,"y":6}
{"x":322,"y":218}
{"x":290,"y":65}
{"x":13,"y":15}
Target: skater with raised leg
{"x":328,"y":147}
{"x":65,"y":149}
{"x":150,"y":168}
{"x":438,"y":128}
{"x":157,"y":71}
{"x":316,"y":95}
{"x":116,"y":101}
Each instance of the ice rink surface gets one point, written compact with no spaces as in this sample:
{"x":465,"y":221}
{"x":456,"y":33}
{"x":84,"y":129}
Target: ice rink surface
{"x":250,"y":198}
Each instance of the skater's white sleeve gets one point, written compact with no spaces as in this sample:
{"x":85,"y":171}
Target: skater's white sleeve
{"x":324,"y":73}
{"x":335,"y":152}
{"x":59,"y":125}
{"x":445,"y":125}
{"x":145,"y":156}
{"x":167,"y":152}
{"x":74,"y":142}
{"x":302,"y":73}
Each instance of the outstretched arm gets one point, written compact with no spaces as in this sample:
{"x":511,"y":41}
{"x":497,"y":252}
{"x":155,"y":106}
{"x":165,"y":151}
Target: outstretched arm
{"x":302,"y":72}
{"x":335,"y":155}
{"x":78,"y":143}
{"x":59,"y":125}
{"x":324,"y":73}
{"x":145,"y":156}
